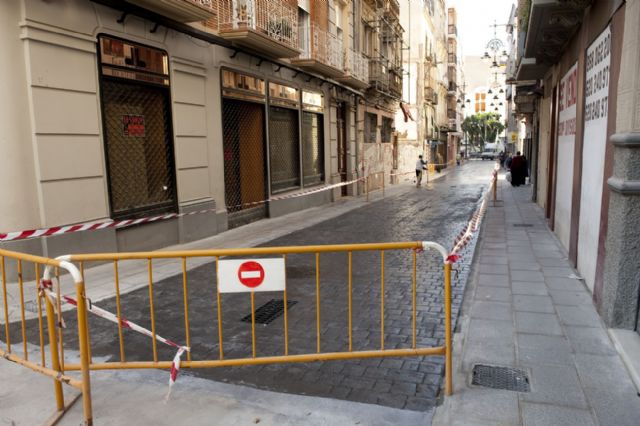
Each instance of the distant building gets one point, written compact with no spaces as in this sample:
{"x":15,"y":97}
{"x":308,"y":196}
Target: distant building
{"x":430,"y":90}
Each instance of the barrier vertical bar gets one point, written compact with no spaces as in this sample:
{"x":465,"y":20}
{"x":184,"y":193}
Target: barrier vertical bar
{"x":447,"y":327}
{"x":495,"y":186}
{"x":154,"y":345}
{"x":253,"y":324}
{"x":413,"y":299}
{"x":83,"y":336}
{"x":40,"y":324}
{"x":350,"y":301}
{"x":366,"y":187}
{"x":318,"y":301}
{"x":7,"y":336}
{"x":116,"y":275}
{"x":381,"y":299}
{"x":53,"y":346}
{"x":89,"y":339}
{"x":59,"y":313}
{"x":286,"y":308}
{"x":219,"y":309}
{"x":383,"y":179}
{"x":23,"y":324}
{"x":185,"y":297}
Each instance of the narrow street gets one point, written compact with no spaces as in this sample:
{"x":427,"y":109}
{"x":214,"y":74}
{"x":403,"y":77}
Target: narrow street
{"x":436,"y":212}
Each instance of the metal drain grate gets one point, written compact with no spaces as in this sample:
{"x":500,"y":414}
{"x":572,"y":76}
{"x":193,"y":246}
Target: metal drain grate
{"x":523,"y":225}
{"x":500,"y":378}
{"x":270,"y":311}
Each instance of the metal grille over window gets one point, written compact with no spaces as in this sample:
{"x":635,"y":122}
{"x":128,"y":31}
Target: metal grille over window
{"x":387,"y":128}
{"x":139,"y":148}
{"x":312,"y":148}
{"x":370,"y":127}
{"x":284,"y":149}
{"x":244,"y":160}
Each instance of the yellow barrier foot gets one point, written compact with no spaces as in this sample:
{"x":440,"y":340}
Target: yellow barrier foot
{"x":57,"y":416}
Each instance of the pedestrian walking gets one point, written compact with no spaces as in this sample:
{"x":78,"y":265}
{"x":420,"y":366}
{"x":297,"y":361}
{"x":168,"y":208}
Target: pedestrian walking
{"x":502,"y":157}
{"x":507,"y":162}
{"x":421,"y":165}
{"x":519,"y":170}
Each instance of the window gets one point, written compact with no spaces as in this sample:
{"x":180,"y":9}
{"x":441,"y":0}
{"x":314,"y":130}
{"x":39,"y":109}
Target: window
{"x":370,"y":128}
{"x":304,"y":32}
{"x":387,"y":129}
{"x":284,"y":151}
{"x":312,"y":148}
{"x":480,"y":103}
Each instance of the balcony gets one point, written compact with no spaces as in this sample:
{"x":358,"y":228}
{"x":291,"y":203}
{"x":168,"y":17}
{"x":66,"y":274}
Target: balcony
{"x":429,"y":94}
{"x":452,"y":88}
{"x":392,"y":7}
{"x":269,"y":26}
{"x":356,"y":67}
{"x":385,"y":77}
{"x":452,"y":59}
{"x":180,"y":10}
{"x":323,"y":55}
{"x":453,"y":31}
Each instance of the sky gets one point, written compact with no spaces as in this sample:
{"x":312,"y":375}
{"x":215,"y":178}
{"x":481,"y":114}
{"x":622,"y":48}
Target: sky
{"x":474,"y":18}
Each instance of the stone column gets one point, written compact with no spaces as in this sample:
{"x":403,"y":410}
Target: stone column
{"x":621,"y":292}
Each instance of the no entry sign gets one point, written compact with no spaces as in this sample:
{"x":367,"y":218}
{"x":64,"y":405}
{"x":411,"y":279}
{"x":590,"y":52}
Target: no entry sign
{"x":247,"y":275}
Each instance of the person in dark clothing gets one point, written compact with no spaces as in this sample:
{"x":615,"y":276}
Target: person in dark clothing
{"x":519,"y":170}
{"x":507,"y":162}
{"x":502,"y":156}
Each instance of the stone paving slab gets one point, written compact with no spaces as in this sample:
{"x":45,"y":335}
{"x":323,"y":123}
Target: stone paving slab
{"x":554,"y":333}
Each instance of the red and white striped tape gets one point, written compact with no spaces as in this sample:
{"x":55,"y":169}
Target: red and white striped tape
{"x":466,"y":234}
{"x":58,"y":230}
{"x":46,"y":287}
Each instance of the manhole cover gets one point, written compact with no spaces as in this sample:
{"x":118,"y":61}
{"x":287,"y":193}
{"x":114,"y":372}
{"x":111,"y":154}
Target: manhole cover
{"x":523,"y":225}
{"x":500,"y":378}
{"x":270,"y":311}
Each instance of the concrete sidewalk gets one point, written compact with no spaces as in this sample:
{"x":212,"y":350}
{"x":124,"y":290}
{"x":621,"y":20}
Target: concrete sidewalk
{"x":526,"y":308}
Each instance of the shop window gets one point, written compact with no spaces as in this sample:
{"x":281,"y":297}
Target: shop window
{"x":284,"y":149}
{"x":312,"y":148}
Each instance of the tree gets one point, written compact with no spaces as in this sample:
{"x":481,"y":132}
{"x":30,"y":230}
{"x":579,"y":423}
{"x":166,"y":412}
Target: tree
{"x":482,"y":127}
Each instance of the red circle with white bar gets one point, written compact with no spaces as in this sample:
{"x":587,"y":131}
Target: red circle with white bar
{"x":251,"y":274}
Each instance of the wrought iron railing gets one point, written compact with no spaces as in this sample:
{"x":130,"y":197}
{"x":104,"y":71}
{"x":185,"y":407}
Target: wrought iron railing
{"x":275,"y":19}
{"x":357,"y":65}
{"x":325,"y":48}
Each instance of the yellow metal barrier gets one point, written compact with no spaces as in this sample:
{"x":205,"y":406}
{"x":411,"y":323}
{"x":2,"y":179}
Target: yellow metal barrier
{"x":53,"y":317}
{"x":59,"y":367}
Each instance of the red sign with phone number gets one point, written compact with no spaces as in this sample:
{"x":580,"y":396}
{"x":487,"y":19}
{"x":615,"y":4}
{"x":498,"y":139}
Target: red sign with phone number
{"x":133,"y":126}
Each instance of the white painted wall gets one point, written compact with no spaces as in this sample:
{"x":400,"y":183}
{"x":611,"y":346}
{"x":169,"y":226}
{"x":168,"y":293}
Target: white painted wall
{"x":595,"y":142}
{"x":566,"y":147}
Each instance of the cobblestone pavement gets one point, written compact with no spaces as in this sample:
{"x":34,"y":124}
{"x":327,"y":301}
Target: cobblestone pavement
{"x":435,"y":212}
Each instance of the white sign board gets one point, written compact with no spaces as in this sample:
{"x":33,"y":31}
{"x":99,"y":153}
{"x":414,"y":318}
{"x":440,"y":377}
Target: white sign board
{"x":596,"y":108}
{"x":250,"y":275}
{"x":567,"y":97}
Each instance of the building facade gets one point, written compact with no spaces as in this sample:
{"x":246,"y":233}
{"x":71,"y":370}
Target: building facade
{"x":426,"y":83}
{"x":578,"y":94}
{"x":118,"y":110}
